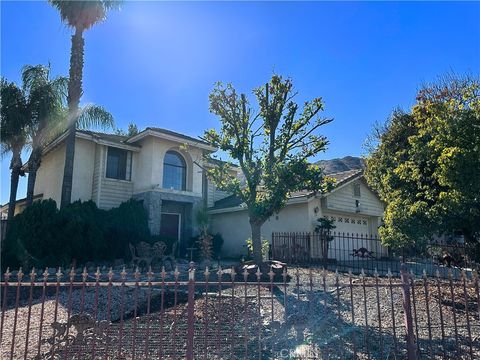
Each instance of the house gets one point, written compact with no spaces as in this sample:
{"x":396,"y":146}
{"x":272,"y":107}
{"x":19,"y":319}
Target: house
{"x":352,"y":205}
{"x":162,"y":168}
{"x":166,"y":171}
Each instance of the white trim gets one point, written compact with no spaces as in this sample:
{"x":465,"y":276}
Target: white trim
{"x":226,"y":210}
{"x":100,"y":175}
{"x":179,"y":222}
{"x":80,"y":135}
{"x":177,"y":139}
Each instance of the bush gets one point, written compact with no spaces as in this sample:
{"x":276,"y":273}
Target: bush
{"x":217,"y":243}
{"x":32,"y":236}
{"x":126,"y":224}
{"x":43,"y":236}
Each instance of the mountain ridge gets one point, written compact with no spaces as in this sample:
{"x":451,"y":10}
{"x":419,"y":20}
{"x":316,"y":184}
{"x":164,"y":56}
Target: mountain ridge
{"x":341,"y":164}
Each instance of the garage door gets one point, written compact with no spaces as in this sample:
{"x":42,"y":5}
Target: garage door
{"x":352,"y":224}
{"x":341,"y":247}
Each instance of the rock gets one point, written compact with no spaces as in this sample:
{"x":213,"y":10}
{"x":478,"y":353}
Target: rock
{"x":277,"y":268}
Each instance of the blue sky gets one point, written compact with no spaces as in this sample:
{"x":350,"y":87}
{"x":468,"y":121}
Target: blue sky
{"x":154,"y":63}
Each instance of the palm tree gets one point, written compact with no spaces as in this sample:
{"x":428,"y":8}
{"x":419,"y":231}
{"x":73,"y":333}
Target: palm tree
{"x":49,"y":117}
{"x":14,"y":121}
{"x":46,"y":103}
{"x":80,"y":16}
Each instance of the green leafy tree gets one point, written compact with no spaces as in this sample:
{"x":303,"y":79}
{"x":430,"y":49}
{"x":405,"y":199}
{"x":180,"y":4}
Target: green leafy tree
{"x":272,"y":147}
{"x":426,"y":165}
{"x":14,"y":121}
{"x":80,"y":16}
{"x":132,"y":130}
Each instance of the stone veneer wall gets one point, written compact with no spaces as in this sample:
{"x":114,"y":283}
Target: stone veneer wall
{"x":156,"y":202}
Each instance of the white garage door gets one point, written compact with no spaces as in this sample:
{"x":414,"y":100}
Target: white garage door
{"x":342,"y":247}
{"x":351,"y":224}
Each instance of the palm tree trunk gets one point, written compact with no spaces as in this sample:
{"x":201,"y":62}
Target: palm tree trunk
{"x":33,"y":165}
{"x":256,"y":227}
{"x":74,"y":94}
{"x":16,"y":167}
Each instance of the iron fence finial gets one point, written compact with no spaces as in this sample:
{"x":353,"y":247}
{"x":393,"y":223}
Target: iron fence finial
{"x":20,"y":274}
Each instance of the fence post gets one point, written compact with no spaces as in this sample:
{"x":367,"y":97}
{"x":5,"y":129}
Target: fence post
{"x":190,"y":311}
{"x":411,"y":352}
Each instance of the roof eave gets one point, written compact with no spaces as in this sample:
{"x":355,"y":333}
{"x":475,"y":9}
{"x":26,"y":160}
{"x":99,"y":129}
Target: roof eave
{"x":178,"y":139}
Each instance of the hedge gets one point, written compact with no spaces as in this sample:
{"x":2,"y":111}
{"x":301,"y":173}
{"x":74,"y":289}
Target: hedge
{"x":44,"y":236}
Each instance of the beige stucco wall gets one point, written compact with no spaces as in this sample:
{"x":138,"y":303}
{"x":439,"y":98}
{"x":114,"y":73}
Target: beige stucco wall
{"x":83,"y":170}
{"x":148,"y":165}
{"x":143,"y":165}
{"x":235,"y":228}
{"x":50,"y":175}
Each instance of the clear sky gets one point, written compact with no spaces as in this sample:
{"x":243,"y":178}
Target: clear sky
{"x":154,"y":63}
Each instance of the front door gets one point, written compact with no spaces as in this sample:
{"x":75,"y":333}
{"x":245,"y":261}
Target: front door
{"x":170,"y":226}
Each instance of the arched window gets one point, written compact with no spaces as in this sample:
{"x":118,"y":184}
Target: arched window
{"x":174,"y":171}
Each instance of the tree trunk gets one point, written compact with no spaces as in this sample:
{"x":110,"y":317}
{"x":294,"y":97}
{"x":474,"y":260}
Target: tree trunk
{"x":256,"y":241}
{"x":16,"y":167}
{"x":33,"y":165}
{"x":74,"y":94}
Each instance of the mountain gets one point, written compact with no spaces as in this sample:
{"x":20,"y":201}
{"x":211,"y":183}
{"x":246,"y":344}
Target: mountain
{"x":344,"y":164}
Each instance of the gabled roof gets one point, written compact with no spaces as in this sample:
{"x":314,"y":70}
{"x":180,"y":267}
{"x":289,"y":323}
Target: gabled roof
{"x":170,"y":135}
{"x":341,"y":178}
{"x":115,"y":138}
{"x":345,"y":176}
{"x":129,"y":142}
{"x":98,"y":137}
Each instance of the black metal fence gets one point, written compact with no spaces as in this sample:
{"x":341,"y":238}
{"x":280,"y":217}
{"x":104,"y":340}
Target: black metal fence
{"x":357,"y":252}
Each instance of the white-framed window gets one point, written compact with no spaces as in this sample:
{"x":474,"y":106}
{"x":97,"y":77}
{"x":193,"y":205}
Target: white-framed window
{"x":174,"y":171}
{"x":119,"y":164}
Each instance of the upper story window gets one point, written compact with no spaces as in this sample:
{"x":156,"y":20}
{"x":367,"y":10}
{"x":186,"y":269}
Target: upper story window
{"x":119,"y":164}
{"x":174,"y":171}
{"x":356,"y":190}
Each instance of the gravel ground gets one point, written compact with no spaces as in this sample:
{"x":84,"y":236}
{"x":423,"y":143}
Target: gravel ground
{"x":301,"y":320}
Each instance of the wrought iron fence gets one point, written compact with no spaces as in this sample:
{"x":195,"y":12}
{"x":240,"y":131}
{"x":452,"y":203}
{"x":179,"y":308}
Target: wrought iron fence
{"x":357,"y":252}
{"x":235,"y":314}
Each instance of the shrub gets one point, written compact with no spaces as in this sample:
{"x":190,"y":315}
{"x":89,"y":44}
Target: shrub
{"x":217,"y":243}
{"x":43,"y":236}
{"x":265,"y":247}
{"x":32,"y":236}
{"x":126,"y":224}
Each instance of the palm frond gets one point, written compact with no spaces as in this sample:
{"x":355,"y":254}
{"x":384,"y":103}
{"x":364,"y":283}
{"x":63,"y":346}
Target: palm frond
{"x":83,"y":14}
{"x":95,"y":116}
{"x":34,"y":76}
{"x":60,"y":84}
{"x":15,"y":116}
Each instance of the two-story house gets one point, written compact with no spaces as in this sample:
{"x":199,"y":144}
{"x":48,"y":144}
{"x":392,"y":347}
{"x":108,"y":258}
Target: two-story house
{"x":162,"y":168}
{"x":165,"y":170}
